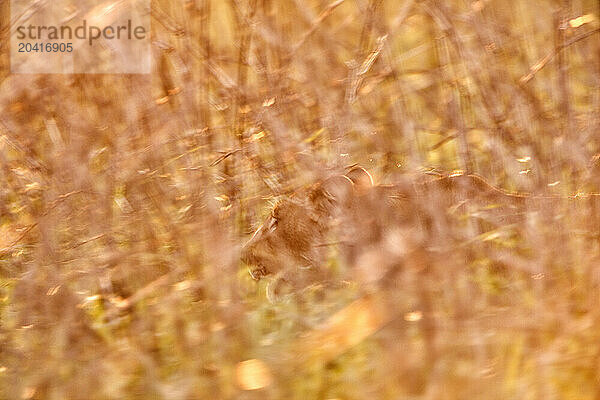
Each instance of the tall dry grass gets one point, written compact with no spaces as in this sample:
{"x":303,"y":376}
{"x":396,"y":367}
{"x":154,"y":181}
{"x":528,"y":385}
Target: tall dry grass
{"x":124,"y":200}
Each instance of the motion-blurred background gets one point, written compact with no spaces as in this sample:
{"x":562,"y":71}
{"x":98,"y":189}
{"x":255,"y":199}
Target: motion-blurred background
{"x":124,"y":201}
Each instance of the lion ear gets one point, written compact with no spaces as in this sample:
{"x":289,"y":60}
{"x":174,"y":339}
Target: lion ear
{"x":361,"y":178}
{"x":338,"y":188}
{"x":331,"y":192}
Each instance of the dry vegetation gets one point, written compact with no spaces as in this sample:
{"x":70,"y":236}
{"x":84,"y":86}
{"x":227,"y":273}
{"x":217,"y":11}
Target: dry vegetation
{"x":125,"y":199}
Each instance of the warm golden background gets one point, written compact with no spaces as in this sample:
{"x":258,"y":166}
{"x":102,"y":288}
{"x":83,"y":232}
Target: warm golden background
{"x":124,"y":200}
